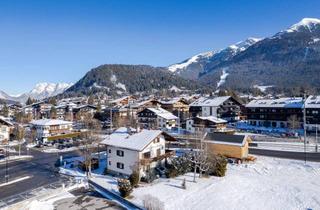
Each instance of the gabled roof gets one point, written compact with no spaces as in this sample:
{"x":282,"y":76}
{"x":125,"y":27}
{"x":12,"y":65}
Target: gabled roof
{"x":277,"y":103}
{"x":172,"y":101}
{"x":48,"y":122}
{"x":5,"y":121}
{"x":163,"y":113}
{"x":221,"y":138}
{"x":213,"y":119}
{"x":217,"y":101}
{"x":136,"y":141}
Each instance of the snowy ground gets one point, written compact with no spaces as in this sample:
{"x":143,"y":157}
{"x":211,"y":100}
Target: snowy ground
{"x":16,"y":157}
{"x":269,"y":183}
{"x":76,"y":172}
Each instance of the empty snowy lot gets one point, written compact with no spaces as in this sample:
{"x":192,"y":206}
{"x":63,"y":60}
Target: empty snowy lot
{"x":269,"y":183}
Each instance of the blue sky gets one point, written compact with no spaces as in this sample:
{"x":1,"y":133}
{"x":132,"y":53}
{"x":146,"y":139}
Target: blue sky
{"x":59,"y":41}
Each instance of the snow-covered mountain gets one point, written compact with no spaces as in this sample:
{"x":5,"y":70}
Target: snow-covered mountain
{"x":40,"y":91}
{"x":287,"y":62}
{"x":199,"y":64}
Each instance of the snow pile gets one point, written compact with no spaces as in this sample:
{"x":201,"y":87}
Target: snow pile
{"x":15,"y":158}
{"x":270,"y":183}
{"x":48,"y":203}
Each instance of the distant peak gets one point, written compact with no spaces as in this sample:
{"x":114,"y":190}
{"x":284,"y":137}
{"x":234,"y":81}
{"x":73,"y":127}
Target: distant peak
{"x":243,"y":45}
{"x":305,"y":23}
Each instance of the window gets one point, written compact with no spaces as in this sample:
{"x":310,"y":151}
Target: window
{"x":158,"y":152}
{"x":109,"y":150}
{"x":157,"y":140}
{"x":109,"y":163}
{"x":120,"y":165}
{"x":146,"y":155}
{"x":120,"y":153}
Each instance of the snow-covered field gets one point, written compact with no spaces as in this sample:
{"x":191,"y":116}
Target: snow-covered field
{"x":269,"y":183}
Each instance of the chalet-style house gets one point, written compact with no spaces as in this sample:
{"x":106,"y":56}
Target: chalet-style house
{"x":208,"y":124}
{"x":129,"y":150}
{"x":141,"y":105}
{"x":123,"y":101}
{"x":5,"y":129}
{"x":225,"y":107}
{"x":177,"y":106}
{"x":38,"y":110}
{"x":313,"y":113}
{"x":276,"y":113}
{"x":157,"y":118}
{"x":232,"y":146}
{"x":81,"y":111}
{"x":53,"y":129}
{"x":65,"y":111}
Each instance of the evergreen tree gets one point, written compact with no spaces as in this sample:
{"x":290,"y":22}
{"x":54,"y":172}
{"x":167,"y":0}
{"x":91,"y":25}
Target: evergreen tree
{"x":5,"y":110}
{"x":29,"y":101}
{"x":53,"y":112}
{"x":53,"y":101}
{"x":91,"y":100}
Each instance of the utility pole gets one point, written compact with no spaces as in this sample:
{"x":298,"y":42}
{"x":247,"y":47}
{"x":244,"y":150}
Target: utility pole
{"x":179,"y":121}
{"x":111,"y":119}
{"x":316,"y":137}
{"x":304,"y":129}
{"x":7,"y":163}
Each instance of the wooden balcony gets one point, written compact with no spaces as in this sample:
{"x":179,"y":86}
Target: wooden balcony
{"x":147,"y":161}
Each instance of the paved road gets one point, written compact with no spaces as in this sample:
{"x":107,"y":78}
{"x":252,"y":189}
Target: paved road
{"x":40,"y":168}
{"x":311,"y":156}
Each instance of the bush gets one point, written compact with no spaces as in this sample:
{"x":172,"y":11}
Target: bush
{"x":124,"y":187}
{"x":171,"y":171}
{"x":219,"y":167}
{"x":150,"y":176}
{"x":134,"y":178}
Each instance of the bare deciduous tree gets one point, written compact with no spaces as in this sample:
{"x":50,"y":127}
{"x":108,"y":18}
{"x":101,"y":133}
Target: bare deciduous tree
{"x":19,"y":134}
{"x":199,"y":157}
{"x":90,"y":137}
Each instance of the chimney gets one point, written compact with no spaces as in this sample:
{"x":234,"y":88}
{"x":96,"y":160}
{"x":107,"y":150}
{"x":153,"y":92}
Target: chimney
{"x":129,"y":130}
{"x":138,"y":129}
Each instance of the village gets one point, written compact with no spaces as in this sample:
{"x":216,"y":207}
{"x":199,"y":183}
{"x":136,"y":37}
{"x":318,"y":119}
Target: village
{"x":134,"y":151}
{"x":159,"y":105}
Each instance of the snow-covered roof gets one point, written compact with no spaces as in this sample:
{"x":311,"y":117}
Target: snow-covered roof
{"x":277,"y":103}
{"x":313,"y":102}
{"x":170,"y":101}
{"x":163,"y":113}
{"x":6,"y":121}
{"x":217,"y":101}
{"x":213,"y":119}
{"x":48,"y":122}
{"x":136,"y":141}
{"x":118,"y":100}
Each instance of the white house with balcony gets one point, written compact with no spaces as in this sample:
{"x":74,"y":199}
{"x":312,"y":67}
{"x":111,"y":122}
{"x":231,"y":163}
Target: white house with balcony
{"x":5,"y":128}
{"x":52,"y":129}
{"x":141,"y":150}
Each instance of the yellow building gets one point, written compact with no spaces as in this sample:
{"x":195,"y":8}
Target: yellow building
{"x":232,"y":146}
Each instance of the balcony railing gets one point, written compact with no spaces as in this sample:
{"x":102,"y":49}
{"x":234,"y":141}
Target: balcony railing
{"x":147,"y":161}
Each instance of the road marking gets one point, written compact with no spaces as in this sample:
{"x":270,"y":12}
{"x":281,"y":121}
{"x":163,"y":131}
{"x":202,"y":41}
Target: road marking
{"x":16,"y":180}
